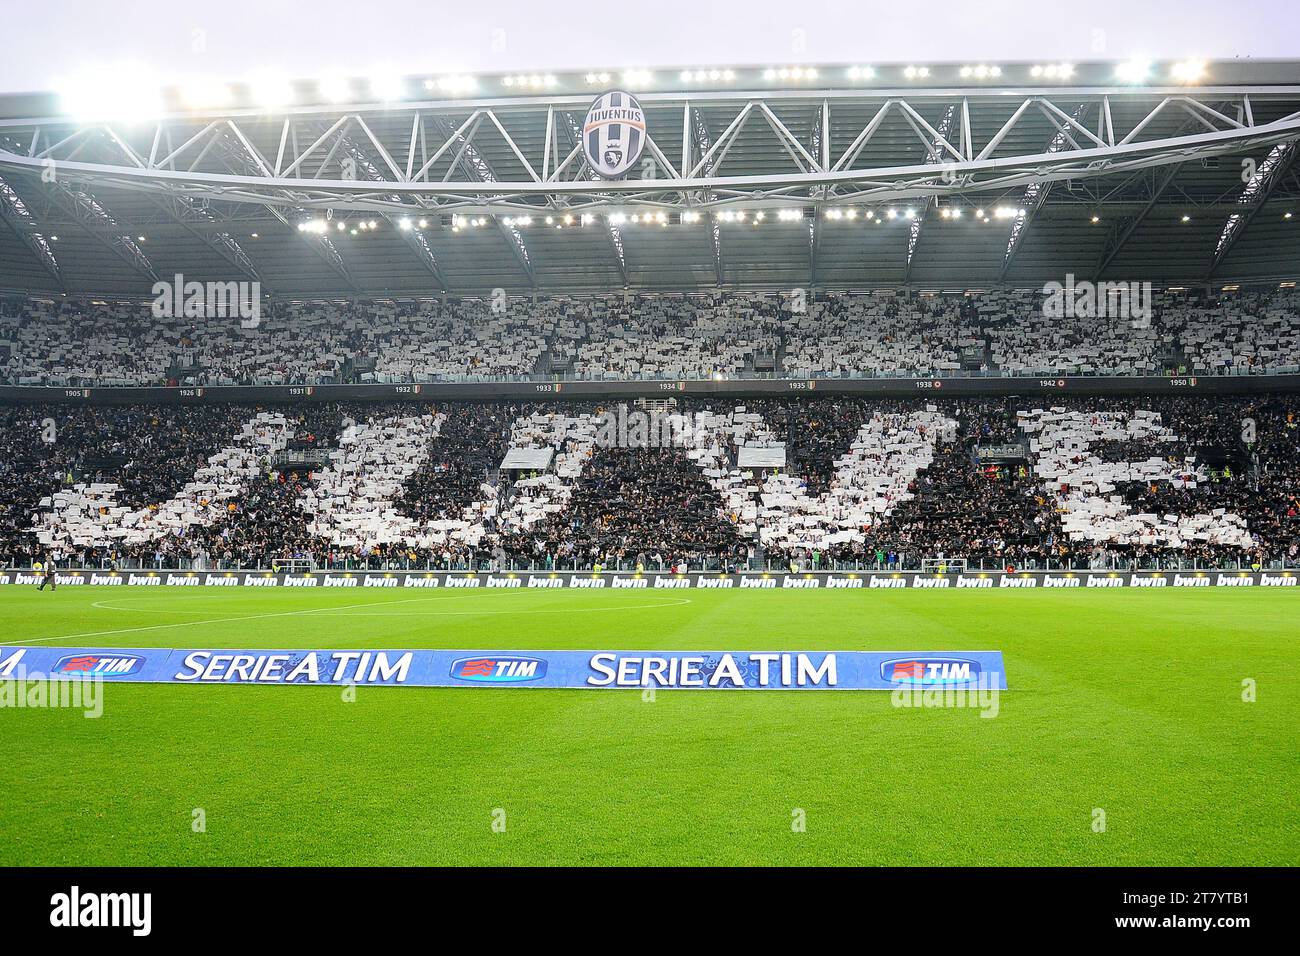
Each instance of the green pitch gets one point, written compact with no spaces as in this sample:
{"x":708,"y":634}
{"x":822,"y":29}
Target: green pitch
{"x":1127,"y":702}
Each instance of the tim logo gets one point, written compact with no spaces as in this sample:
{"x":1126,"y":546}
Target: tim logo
{"x":929,"y":670}
{"x":99,"y":665}
{"x":498,"y":670}
{"x":613,"y":135}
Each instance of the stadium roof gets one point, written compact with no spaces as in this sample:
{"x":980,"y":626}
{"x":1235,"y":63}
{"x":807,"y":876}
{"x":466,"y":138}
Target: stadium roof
{"x":943,"y":177}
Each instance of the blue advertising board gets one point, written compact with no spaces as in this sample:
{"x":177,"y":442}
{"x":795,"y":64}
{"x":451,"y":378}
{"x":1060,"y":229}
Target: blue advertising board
{"x":686,"y":670}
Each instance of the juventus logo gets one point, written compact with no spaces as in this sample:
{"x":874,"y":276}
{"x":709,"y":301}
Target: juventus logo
{"x":613,"y":134}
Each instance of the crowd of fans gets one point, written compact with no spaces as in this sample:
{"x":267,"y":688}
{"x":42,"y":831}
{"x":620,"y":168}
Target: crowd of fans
{"x":151,"y":451}
{"x":1080,"y":482}
{"x":883,"y":335}
{"x":648,"y":508}
{"x":953,"y":507}
{"x":470,"y":446}
{"x":735,"y":335}
{"x":679,"y":337}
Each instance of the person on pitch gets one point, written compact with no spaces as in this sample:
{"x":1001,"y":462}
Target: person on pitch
{"x":46,"y":571}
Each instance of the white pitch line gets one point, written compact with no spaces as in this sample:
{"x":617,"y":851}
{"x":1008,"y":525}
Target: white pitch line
{"x":442,"y":596}
{"x":538,"y":610}
{"x":105,"y":606}
{"x":341,"y":607}
{"x":218,"y":620}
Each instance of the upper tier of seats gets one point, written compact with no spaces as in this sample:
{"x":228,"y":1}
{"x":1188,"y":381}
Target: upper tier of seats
{"x":732,"y":335}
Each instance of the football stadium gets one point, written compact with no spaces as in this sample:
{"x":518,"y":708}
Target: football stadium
{"x":872,"y":463}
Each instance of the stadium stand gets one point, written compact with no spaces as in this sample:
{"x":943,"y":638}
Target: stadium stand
{"x":732,"y":335}
{"x":844,"y":335}
{"x":860,"y":483}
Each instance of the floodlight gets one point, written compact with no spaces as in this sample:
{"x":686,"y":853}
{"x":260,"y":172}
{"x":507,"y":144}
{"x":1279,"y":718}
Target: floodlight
{"x":1134,"y":71}
{"x":125,"y":94}
{"x":335,"y":89}
{"x":270,"y":91}
{"x":387,"y":87}
{"x":205,"y":94}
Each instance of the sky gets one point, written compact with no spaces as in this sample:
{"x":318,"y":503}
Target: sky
{"x":49,"y":43}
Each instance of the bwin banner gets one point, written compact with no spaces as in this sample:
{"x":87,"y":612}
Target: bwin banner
{"x":687,"y":670}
